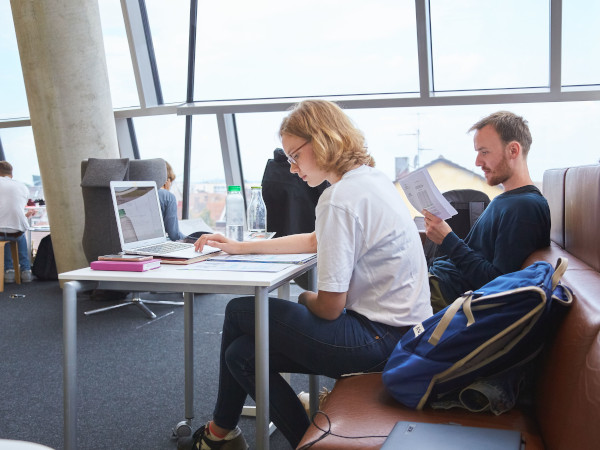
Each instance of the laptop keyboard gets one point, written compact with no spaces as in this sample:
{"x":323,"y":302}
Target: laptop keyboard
{"x":166,"y":247}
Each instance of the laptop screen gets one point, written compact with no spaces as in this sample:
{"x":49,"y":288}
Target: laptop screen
{"x":137,"y":211}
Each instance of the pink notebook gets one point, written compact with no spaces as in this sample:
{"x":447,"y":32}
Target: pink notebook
{"x":128,"y":266}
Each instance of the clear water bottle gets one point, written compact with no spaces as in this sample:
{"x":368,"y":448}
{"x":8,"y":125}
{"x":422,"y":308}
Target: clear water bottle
{"x":257,"y":212}
{"x":234,"y":214}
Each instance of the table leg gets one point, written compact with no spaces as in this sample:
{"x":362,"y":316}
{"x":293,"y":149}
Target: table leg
{"x":188,"y":327}
{"x":284,"y":291}
{"x":70,"y":290}
{"x":250,"y":411}
{"x":29,"y":243}
{"x":261,"y":322}
{"x":313,"y":380}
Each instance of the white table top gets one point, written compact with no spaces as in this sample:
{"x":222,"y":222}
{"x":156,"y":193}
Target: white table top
{"x":6,"y":444}
{"x":178,"y":274}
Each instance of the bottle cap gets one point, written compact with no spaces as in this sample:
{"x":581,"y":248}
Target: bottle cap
{"x":234,"y":189}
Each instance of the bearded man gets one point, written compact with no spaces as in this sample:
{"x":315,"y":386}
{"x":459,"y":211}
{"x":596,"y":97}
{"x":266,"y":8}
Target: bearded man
{"x":515,"y":223}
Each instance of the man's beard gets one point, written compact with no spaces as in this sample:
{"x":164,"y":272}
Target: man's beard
{"x":500,"y":174}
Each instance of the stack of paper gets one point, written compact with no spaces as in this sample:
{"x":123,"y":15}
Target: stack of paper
{"x":422,"y":194}
{"x":253,"y":263}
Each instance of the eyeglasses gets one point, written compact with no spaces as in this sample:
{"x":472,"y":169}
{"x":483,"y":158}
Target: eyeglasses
{"x":290,"y":158}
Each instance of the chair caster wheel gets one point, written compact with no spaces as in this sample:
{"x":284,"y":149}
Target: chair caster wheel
{"x":182,"y":429}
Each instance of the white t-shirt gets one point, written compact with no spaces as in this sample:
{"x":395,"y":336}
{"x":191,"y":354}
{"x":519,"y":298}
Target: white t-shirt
{"x":369,"y":247}
{"x":13,"y":199}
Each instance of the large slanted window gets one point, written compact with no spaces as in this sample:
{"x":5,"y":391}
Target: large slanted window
{"x":207,"y":196}
{"x":19,"y":150}
{"x":273,"y":48}
{"x":483,"y":44}
{"x":581,"y":43}
{"x":169,"y":25}
{"x":123,"y":88}
{"x":12,"y":87}
{"x":413,"y":99}
{"x":258,"y":138}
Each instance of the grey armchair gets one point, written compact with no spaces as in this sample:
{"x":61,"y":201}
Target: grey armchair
{"x":100,"y":235}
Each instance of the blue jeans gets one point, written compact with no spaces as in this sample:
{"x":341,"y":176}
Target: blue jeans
{"x":22,"y":249}
{"x":299,"y":342}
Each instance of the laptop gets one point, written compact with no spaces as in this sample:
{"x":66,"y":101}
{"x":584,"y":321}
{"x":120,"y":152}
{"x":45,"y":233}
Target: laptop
{"x":436,"y":436}
{"x":140,"y":223}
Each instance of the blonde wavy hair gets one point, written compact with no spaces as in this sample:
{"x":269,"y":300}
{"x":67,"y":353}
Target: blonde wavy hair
{"x":337,"y":144}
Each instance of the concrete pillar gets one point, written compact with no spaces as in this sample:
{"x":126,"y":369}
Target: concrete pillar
{"x":66,"y":80}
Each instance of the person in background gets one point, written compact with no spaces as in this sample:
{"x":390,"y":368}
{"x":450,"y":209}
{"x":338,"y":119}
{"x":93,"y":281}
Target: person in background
{"x":168,"y":207}
{"x":13,"y":222}
{"x":372,"y":280}
{"x":515,"y":223}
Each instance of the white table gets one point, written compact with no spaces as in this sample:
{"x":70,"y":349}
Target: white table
{"x":8,"y":444}
{"x":175,"y":278}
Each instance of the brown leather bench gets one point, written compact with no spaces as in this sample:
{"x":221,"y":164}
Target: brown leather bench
{"x":566,"y":411}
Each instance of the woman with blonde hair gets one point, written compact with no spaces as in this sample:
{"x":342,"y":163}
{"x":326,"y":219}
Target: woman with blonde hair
{"x":372,"y":279}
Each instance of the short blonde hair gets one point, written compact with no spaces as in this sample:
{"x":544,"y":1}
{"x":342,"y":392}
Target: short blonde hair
{"x":337,"y":144}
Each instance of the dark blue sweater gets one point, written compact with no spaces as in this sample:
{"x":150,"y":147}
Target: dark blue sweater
{"x":514,"y":224}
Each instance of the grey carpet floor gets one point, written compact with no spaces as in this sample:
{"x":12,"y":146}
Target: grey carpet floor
{"x":130,"y":370}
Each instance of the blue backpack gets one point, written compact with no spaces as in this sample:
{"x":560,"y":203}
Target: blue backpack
{"x":503,"y":324}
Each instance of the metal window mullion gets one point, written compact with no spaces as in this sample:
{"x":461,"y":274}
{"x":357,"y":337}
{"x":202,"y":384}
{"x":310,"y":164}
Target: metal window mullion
{"x":187,"y":151}
{"x":142,"y":52}
{"x":151,"y":54}
{"x":423,"y":21}
{"x":555,"y":46}
{"x":133,"y":138}
{"x":127,"y":139}
{"x":230,"y":150}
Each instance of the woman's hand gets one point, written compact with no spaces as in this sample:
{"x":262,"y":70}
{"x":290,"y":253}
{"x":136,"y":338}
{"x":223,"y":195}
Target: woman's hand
{"x":326,"y":305}
{"x":219,"y":241}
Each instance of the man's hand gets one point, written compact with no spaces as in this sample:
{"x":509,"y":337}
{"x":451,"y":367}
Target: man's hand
{"x":435,"y":228}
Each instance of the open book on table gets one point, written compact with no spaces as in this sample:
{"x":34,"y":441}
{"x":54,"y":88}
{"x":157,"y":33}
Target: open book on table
{"x":288,"y":258}
{"x":252,"y":263}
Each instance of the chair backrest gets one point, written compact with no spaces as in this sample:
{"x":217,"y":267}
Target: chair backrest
{"x":469,"y":203}
{"x":100,"y":235}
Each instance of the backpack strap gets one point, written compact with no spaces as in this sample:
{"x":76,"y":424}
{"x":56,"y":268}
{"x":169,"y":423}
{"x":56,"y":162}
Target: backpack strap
{"x":464,"y":301}
{"x":559,"y":271}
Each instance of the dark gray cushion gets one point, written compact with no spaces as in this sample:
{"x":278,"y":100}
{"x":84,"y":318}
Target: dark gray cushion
{"x":100,"y":172}
{"x":100,"y":235}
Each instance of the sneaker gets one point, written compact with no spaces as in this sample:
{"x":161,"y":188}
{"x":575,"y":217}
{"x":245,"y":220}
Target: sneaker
{"x":202,"y":440}
{"x":26,"y":276}
{"x":304,"y":398}
{"x":9,"y":276}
